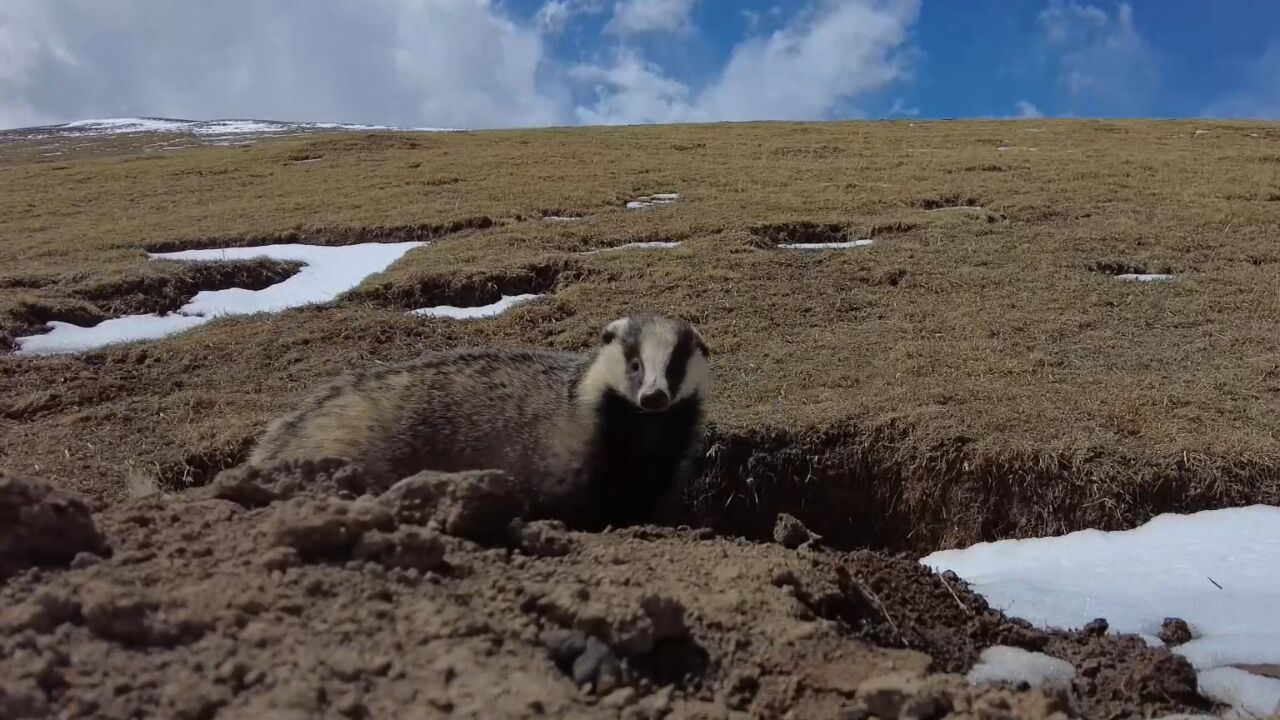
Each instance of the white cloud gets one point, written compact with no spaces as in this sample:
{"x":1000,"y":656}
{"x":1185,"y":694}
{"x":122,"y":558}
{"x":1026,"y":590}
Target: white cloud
{"x":455,"y":63}
{"x":555,"y":15}
{"x":631,"y":17}
{"x":404,"y":62}
{"x":1104,"y":65}
{"x":633,"y":91}
{"x":1027,"y":110}
{"x":1258,"y":97}
{"x":832,"y":53}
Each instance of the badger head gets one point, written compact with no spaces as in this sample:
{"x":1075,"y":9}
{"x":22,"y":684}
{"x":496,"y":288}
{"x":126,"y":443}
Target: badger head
{"x":652,"y":361}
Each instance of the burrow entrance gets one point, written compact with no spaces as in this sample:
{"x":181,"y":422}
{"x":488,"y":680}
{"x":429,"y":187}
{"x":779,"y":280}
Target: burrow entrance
{"x":331,"y":236}
{"x":473,"y":289}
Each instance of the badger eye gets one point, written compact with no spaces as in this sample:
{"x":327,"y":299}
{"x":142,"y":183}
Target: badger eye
{"x":634,"y":365}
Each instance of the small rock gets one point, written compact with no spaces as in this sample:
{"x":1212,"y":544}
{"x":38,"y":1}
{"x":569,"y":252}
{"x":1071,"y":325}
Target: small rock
{"x":326,"y":528}
{"x":1174,"y":631}
{"x":885,"y":695}
{"x":410,"y":548}
{"x":243,"y":486}
{"x":926,"y":706}
{"x":279,"y":558}
{"x":596,"y":663}
{"x":85,"y":560}
{"x":541,"y":538}
{"x":41,"y":614}
{"x":22,"y":700}
{"x":790,"y":533}
{"x":478,"y":505}
{"x":565,"y":645}
{"x":619,"y":698}
{"x":1096,"y":627}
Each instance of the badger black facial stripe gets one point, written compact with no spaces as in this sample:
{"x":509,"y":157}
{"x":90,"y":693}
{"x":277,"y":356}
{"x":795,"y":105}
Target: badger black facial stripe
{"x":678,"y":363}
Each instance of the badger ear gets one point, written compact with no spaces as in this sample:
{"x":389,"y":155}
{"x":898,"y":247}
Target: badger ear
{"x":700,"y":341}
{"x":612,"y":331}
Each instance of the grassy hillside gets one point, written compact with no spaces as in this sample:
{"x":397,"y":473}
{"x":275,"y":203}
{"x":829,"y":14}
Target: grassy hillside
{"x":976,"y":372}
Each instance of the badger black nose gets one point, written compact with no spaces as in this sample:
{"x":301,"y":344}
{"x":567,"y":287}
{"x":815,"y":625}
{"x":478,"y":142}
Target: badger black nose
{"x":654,"y":399}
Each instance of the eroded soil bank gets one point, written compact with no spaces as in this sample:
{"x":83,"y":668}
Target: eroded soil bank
{"x":304,"y":592}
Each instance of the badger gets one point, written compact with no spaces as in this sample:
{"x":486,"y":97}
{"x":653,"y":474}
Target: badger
{"x":599,"y":438}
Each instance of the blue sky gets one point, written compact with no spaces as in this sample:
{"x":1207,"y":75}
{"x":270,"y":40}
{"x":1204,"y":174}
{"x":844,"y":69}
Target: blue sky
{"x":518,"y":63}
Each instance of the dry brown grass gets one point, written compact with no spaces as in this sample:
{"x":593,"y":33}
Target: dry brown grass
{"x":975,"y":373}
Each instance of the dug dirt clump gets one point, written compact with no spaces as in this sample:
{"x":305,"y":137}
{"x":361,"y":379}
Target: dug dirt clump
{"x":41,"y":526}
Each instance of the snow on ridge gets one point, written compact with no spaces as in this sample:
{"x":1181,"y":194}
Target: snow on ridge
{"x":221,"y":128}
{"x":328,"y":271}
{"x":646,"y":245}
{"x":1215,"y":569}
{"x":843,"y":245}
{"x":493,"y":309}
{"x":1144,"y":277}
{"x":654,"y":200}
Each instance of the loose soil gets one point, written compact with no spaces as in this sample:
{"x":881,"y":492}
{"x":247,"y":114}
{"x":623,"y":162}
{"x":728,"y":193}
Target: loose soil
{"x":303,"y":592}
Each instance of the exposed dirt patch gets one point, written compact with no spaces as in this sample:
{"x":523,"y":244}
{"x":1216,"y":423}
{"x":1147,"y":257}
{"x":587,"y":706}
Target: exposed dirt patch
{"x":305,"y":592}
{"x":165,"y":290}
{"x":161,"y":287}
{"x":470,"y":289}
{"x":28,"y":314}
{"x":1126,"y":267}
{"x":774,"y":234}
{"x":944,"y":202}
{"x":337,"y":235}
{"x":864,"y":488}
{"x":561,"y":215}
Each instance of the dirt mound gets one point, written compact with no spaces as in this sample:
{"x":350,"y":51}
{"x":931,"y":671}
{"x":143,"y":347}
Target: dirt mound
{"x":41,"y":526}
{"x":303,"y":592}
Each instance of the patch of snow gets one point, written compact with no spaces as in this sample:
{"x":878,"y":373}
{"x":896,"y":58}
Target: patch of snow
{"x":564,"y":218}
{"x":652,"y":200}
{"x":1144,"y":277}
{"x":1005,"y":148}
{"x":1151,"y":640}
{"x":1200,"y":132}
{"x":1215,"y":569}
{"x":327,"y":273}
{"x":1259,"y":648}
{"x":1001,"y":663}
{"x":1136,"y":578}
{"x":64,"y":338}
{"x":472,"y":313}
{"x":1245,"y":692}
{"x":827,"y":245}
{"x":651,"y":245}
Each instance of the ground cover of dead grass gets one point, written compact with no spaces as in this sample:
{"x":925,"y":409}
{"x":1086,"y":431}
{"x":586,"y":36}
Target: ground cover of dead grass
{"x":976,"y":372}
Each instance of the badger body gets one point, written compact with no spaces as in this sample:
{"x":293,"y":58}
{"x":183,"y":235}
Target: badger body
{"x":599,"y":438}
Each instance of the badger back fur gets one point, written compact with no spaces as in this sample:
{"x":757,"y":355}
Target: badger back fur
{"x":599,"y":438}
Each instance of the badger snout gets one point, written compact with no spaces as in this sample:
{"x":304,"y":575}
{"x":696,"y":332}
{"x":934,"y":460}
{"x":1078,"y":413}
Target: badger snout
{"x":655,"y":399}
